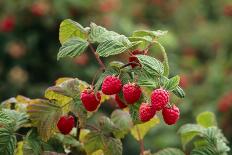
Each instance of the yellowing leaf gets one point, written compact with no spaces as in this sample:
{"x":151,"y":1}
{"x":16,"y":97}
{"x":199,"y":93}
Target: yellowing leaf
{"x":83,"y":133}
{"x":98,"y":152}
{"x":104,"y":98}
{"x":140,"y":130}
{"x":61,"y":80}
{"x":19,"y":149}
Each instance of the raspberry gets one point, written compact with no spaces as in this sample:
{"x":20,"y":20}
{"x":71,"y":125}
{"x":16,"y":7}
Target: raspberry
{"x":65,"y":124}
{"x":131,"y":92}
{"x":133,"y":58}
{"x":89,"y":99}
{"x":146,"y":112}
{"x":171,"y":115}
{"x":120,"y":103}
{"x":159,"y":99}
{"x":7,"y":24}
{"x":111,"y":85}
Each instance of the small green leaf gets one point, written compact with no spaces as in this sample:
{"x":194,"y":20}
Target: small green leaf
{"x":172,"y":83}
{"x":179,"y":92}
{"x":72,"y":48}
{"x":134,"y":112}
{"x":71,"y":29}
{"x":206,"y":119}
{"x":151,"y":65}
{"x":170,"y":151}
{"x":114,"y":46}
{"x":7,"y":141}
{"x":122,"y":121}
{"x":154,"y":34}
{"x":165,"y":59}
{"x":106,"y":125}
{"x":140,"y":130}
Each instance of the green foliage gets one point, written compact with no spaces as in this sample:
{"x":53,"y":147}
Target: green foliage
{"x":172,"y":83}
{"x":207,"y":138}
{"x":7,"y":141}
{"x":170,"y":151}
{"x":179,"y":92}
{"x":72,"y":48}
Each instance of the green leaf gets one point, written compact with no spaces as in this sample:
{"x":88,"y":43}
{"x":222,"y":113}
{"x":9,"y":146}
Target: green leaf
{"x":122,"y":121}
{"x":32,"y":143}
{"x":165,"y":61}
{"x":78,"y":109}
{"x":7,"y":141}
{"x":179,"y":92}
{"x":170,"y":151}
{"x":100,"y":34}
{"x":172,"y":83}
{"x":68,"y":140}
{"x":71,"y":29}
{"x":95,"y":141}
{"x":206,"y":119}
{"x":154,"y":34}
{"x":151,"y":65}
{"x":44,"y":115}
{"x":134,"y":112}
{"x":140,"y":130}
{"x":106,"y":125}
{"x":72,"y":48}
{"x":114,"y":46}
{"x":5,"y":119}
{"x":188,"y":132}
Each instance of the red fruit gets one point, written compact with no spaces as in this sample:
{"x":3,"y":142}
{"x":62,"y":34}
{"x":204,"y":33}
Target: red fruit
{"x":131,"y":92}
{"x":171,"y":115}
{"x":65,"y":124}
{"x":120,"y":103}
{"x":89,"y":99}
{"x":111,"y":85}
{"x":7,"y":24}
{"x":134,"y":59}
{"x":146,"y":112}
{"x":159,"y":99}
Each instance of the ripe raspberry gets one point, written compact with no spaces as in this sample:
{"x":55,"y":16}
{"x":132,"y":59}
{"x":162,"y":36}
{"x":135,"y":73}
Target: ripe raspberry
{"x":111,"y":85}
{"x":159,"y":99}
{"x":171,"y":115}
{"x":146,"y":112}
{"x":133,"y":58}
{"x":7,"y":24}
{"x":131,"y":92}
{"x":65,"y":124}
{"x":89,"y":99}
{"x":120,"y":103}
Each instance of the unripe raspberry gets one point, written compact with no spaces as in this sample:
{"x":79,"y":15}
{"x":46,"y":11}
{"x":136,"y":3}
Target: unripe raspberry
{"x":111,"y":85}
{"x":134,"y":59}
{"x":89,"y":99}
{"x":65,"y":124}
{"x":131,"y":92}
{"x":159,"y":99}
{"x":120,"y":103}
{"x":146,"y":112}
{"x":171,"y":115}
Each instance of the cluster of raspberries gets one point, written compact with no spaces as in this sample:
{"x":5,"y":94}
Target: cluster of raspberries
{"x":132,"y":92}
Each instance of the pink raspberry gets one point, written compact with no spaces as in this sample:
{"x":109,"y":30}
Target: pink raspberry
{"x":171,"y":115}
{"x":89,"y":99}
{"x":146,"y":112}
{"x":111,"y":85}
{"x":159,"y":99}
{"x":131,"y":92}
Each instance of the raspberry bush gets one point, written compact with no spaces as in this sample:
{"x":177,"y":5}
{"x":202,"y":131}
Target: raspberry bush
{"x":66,"y":120}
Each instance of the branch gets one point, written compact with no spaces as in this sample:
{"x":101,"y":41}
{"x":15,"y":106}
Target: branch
{"x":97,"y":57}
{"x":140,"y":142}
{"x":78,"y":131}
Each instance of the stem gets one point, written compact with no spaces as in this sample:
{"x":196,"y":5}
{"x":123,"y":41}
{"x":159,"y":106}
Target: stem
{"x":78,"y":131}
{"x":128,"y":64}
{"x":97,"y":57}
{"x":141,"y":143}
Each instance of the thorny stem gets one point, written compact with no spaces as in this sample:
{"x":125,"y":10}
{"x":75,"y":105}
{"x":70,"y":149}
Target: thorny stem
{"x":97,"y":57}
{"x":140,"y":142}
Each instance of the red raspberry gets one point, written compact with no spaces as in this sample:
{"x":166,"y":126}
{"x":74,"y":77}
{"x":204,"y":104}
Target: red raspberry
{"x":7,"y":24}
{"x":133,"y":58}
{"x":111,"y":85}
{"x":146,"y":112}
{"x":171,"y":115}
{"x":65,"y":124}
{"x":120,"y":103}
{"x":159,"y":99}
{"x":131,"y":92}
{"x":89,"y":99}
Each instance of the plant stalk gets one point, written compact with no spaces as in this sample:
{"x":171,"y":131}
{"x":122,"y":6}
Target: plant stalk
{"x":97,"y":57}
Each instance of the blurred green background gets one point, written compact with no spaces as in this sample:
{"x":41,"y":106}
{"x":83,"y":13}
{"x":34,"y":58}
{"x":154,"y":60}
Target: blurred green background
{"x":199,"y":46}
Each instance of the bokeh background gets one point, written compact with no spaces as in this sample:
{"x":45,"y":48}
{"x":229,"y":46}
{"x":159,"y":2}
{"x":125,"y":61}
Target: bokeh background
{"x":199,"y":46}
